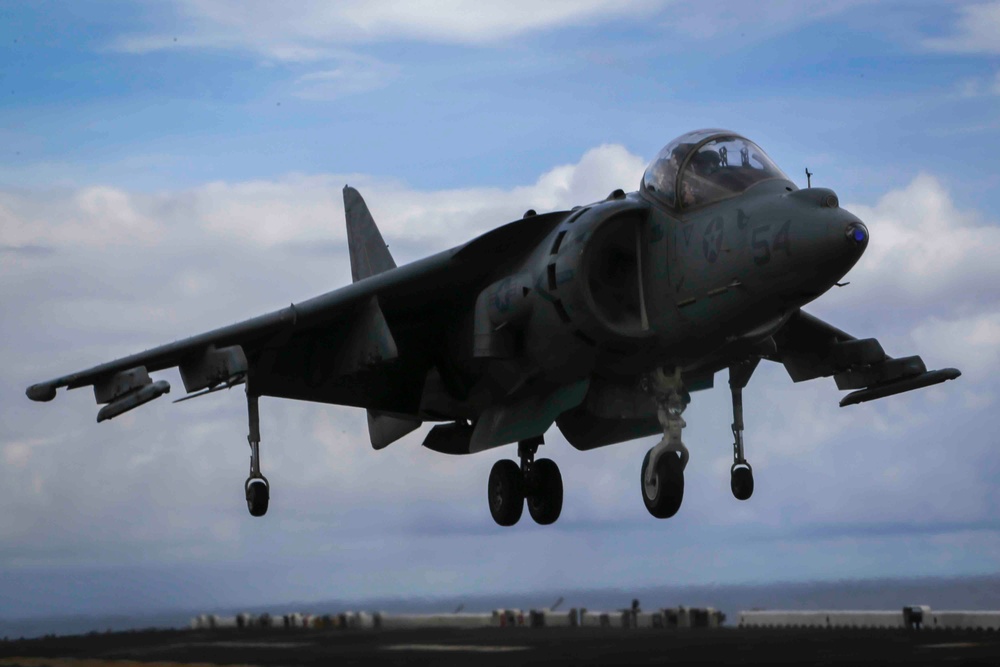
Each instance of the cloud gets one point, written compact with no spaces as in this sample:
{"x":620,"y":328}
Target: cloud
{"x":350,"y":76}
{"x":925,"y":252}
{"x":972,"y":343}
{"x":735,"y":25}
{"x":315,"y":28}
{"x":974,"y":32}
{"x":300,"y":209}
{"x":93,"y":216}
{"x":979,"y":87}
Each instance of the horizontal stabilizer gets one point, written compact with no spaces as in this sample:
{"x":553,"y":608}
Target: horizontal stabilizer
{"x":369,"y":253}
{"x":899,"y":386}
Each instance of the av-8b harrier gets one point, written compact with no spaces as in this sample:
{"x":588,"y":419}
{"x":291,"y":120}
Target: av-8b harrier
{"x":600,"y":319}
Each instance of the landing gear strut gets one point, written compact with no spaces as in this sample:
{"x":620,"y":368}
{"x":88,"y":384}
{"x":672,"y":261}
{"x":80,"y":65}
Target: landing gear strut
{"x":539,"y":482}
{"x":662,"y":477}
{"x":257,"y":489}
{"x":741,"y":474}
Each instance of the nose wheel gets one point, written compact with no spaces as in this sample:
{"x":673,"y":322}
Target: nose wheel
{"x":539,"y":483}
{"x":256,"y":488}
{"x":662,"y":472}
{"x":663,"y":487}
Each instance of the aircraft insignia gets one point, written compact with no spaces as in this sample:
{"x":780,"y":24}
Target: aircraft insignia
{"x":712,"y":242}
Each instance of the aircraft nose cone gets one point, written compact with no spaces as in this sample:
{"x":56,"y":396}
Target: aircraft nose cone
{"x":857,"y":234}
{"x":846,"y":241}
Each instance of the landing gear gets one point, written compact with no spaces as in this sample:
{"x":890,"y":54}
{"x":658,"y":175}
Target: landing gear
{"x":544,"y":492}
{"x":537,"y":482}
{"x":741,"y":474}
{"x":662,"y":475}
{"x":506,"y":493}
{"x":663,"y":496}
{"x":257,"y":489}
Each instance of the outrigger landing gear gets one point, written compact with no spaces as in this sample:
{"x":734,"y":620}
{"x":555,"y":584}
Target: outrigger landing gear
{"x":539,"y":482}
{"x":258,"y":491}
{"x":662,"y":478}
{"x":741,"y":474}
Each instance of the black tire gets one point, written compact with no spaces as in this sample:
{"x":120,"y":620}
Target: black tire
{"x":545,"y":497}
{"x":741,"y":482}
{"x":506,"y":492}
{"x":258,"y":495}
{"x":669,"y":491}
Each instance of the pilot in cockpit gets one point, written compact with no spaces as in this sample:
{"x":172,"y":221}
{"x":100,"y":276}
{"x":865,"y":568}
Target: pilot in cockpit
{"x":695,"y":169}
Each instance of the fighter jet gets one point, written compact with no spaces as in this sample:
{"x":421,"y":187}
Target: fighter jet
{"x":601,"y":320}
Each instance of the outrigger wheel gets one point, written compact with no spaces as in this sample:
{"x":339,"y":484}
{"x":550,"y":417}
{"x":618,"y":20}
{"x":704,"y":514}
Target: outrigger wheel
{"x":257,"y":488}
{"x":741,"y":480}
{"x":258,"y":493}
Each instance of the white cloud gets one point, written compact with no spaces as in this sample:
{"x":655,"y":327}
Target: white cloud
{"x":93,"y":216}
{"x":975,"y":31}
{"x":971,"y":343}
{"x":732,"y":25}
{"x":923,"y":250}
{"x":350,"y":76}
{"x":300,"y":208}
{"x":979,"y":86}
{"x":315,"y":27}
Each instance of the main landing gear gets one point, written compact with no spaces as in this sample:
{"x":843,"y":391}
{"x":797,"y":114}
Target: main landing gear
{"x":537,"y":482}
{"x":662,"y":478}
{"x":741,"y":474}
{"x":258,"y":491}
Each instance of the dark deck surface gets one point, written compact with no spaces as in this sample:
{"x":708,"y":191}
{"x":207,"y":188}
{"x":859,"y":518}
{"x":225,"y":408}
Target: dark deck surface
{"x":504,"y":646}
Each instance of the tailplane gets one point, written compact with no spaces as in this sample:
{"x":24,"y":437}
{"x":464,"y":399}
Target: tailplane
{"x":369,"y":253}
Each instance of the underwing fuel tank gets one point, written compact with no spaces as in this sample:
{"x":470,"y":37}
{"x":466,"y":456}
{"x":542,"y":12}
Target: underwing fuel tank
{"x":133,"y":400}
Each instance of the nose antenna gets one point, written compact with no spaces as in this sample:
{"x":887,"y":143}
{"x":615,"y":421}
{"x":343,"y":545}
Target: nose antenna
{"x":808,"y":178}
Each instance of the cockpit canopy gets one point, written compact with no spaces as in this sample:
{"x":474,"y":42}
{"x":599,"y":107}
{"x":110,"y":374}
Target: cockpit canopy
{"x":705,"y":166}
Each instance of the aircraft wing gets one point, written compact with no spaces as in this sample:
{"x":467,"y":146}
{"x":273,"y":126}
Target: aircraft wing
{"x":369,"y":344}
{"x":810,"y":348}
{"x":280,"y":343}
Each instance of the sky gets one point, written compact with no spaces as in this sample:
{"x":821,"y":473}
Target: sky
{"x":167,"y":168}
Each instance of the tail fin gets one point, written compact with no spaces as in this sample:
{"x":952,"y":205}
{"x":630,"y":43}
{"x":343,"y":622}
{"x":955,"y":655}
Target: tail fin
{"x":369,"y":253}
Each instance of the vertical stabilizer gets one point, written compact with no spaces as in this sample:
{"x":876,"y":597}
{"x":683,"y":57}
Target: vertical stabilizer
{"x":369,"y":253}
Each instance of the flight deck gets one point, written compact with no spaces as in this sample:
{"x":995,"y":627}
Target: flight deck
{"x":521,"y":645}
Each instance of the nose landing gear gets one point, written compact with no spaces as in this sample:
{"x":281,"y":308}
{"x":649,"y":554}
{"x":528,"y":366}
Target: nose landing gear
{"x":741,"y":474}
{"x":537,"y":482}
{"x":256,"y":488}
{"x":662,"y":476}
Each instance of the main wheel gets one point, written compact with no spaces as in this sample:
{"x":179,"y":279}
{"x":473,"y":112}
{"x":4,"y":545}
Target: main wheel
{"x":258,"y":494}
{"x":506,"y":492}
{"x":741,"y":482}
{"x":545,"y":495}
{"x":663,"y":497}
